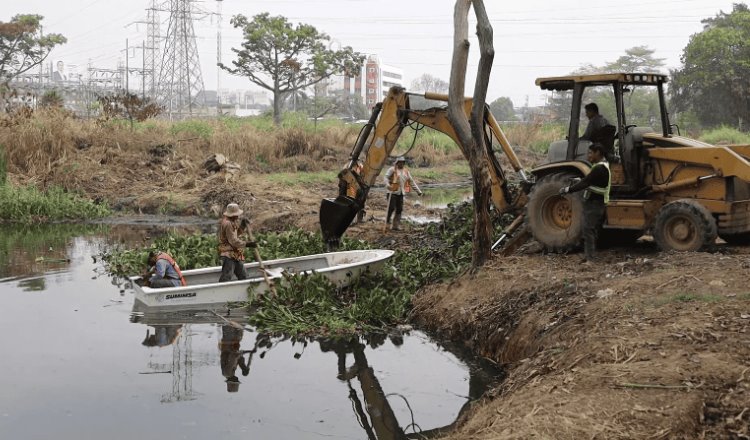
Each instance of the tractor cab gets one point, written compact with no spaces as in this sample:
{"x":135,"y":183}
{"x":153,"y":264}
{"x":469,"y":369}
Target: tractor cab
{"x":633,"y":105}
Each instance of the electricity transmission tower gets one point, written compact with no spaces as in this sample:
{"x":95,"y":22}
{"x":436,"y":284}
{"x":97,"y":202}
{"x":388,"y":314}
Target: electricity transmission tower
{"x":180,"y":83}
{"x":153,"y":41}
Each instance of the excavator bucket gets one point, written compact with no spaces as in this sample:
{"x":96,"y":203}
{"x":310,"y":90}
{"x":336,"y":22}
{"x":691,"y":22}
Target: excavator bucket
{"x":335,"y":216}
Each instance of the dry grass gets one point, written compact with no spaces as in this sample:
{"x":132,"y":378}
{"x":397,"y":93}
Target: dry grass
{"x":535,"y":135}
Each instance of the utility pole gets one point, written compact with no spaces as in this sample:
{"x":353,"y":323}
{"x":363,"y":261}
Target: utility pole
{"x":218,"y":58}
{"x":127,"y":69}
{"x":180,"y":78}
{"x":143,"y":71}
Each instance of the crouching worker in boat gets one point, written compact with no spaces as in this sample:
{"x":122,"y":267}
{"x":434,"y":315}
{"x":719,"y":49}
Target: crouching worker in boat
{"x":163,"y":271}
{"x":231,"y":247}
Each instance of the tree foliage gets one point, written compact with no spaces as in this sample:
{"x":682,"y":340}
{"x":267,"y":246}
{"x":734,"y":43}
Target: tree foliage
{"x":22,"y":46}
{"x":128,"y":106}
{"x":283,"y":58}
{"x":502,"y":109}
{"x":641,"y":103}
{"x":714,"y":81}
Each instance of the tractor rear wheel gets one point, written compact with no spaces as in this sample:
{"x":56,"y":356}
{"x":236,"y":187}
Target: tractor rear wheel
{"x":684,"y":225}
{"x":555,"y":221}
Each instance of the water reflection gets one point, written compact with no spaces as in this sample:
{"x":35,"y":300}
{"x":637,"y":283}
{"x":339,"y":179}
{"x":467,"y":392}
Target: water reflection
{"x":38,"y":249}
{"x":240,"y":348}
{"x":440,"y":198}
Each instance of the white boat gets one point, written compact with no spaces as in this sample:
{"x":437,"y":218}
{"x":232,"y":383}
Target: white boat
{"x":204,"y":291}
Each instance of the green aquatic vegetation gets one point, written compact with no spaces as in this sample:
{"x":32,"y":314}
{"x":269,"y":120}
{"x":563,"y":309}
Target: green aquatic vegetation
{"x":313,"y":305}
{"x":28,"y":204}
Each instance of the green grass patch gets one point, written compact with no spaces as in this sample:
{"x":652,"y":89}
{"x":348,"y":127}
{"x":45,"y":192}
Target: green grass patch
{"x":427,"y":173}
{"x":28,"y":204}
{"x":192,"y":127}
{"x":462,"y":169}
{"x":426,"y":136}
{"x":725,"y":135}
{"x":687,"y":298}
{"x":304,"y":177}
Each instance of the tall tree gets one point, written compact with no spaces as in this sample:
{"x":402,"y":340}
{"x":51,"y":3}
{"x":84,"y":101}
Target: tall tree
{"x":502,"y":109}
{"x":636,"y":59}
{"x":429,"y":83}
{"x":471,"y":132}
{"x":22,"y":46}
{"x":714,"y":81}
{"x":283,"y":58}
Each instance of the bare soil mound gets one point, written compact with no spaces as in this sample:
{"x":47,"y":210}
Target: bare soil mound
{"x":645,"y":345}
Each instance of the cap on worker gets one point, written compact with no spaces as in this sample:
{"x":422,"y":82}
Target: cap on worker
{"x":233,"y":210}
{"x":400,"y":159}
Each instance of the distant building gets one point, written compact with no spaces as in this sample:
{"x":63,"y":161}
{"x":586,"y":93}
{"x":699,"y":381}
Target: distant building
{"x":372,"y":83}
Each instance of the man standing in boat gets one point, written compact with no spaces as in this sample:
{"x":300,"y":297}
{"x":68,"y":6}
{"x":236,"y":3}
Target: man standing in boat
{"x":231,"y":247}
{"x":163,"y":271}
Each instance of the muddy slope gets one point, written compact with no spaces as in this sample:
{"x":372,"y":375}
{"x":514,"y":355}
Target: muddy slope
{"x":646,"y":346}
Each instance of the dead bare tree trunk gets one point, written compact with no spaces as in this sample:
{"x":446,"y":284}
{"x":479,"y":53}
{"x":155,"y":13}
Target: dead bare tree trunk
{"x":471,"y":132}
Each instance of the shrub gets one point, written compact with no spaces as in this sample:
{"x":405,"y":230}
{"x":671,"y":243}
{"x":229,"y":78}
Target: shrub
{"x":725,"y":135}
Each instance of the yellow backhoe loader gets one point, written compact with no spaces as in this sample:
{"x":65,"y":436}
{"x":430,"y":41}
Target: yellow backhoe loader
{"x":378,"y":139}
{"x":685,"y":192}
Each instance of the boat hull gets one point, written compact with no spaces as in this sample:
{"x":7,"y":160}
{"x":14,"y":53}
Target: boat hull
{"x":204,"y":291}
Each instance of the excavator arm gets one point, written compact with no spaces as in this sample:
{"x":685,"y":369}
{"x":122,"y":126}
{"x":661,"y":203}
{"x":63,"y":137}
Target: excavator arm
{"x":378,"y":139}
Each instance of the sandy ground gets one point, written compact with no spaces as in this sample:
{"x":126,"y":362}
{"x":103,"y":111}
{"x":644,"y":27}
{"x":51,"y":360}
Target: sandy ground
{"x":646,"y":345}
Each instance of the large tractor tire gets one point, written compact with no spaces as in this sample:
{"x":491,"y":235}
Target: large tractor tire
{"x":555,"y":221}
{"x":685,"y":226}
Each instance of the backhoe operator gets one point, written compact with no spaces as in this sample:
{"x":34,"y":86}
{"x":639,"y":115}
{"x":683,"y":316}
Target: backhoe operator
{"x":398,"y":180}
{"x":596,"y":184}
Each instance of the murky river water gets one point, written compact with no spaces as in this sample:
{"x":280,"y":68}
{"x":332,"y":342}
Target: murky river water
{"x":77,"y":363}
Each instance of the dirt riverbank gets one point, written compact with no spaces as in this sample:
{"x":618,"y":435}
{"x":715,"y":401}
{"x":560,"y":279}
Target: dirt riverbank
{"x":646,"y":345}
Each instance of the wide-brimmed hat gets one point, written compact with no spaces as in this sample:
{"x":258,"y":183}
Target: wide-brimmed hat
{"x":400,"y":159}
{"x":233,"y":210}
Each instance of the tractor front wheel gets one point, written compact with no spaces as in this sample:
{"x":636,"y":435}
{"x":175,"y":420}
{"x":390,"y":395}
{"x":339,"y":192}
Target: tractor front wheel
{"x":684,"y":225}
{"x":555,"y":221}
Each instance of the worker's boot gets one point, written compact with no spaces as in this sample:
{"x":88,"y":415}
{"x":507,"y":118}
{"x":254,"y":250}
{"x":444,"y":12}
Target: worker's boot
{"x":396,"y":223}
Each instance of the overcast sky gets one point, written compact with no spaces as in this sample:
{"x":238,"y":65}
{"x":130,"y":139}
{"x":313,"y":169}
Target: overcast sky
{"x":533,"y":38}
